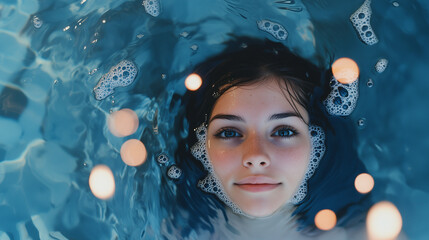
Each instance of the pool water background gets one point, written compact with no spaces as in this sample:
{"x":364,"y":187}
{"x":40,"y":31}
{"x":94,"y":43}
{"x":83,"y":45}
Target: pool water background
{"x":53,"y":131}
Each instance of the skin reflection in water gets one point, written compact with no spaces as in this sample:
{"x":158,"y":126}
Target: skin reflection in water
{"x":102,"y":182}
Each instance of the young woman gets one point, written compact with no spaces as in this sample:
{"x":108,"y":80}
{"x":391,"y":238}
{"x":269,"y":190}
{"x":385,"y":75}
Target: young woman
{"x":260,"y":141}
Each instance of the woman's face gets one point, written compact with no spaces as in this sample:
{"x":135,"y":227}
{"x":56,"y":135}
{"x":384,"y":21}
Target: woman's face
{"x":258,"y":146}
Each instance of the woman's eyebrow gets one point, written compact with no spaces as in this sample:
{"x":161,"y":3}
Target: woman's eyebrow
{"x":283,"y":115}
{"x":227,"y":117}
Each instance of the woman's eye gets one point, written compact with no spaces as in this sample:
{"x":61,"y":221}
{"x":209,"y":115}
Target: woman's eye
{"x":284,"y":132}
{"x":227,"y":133}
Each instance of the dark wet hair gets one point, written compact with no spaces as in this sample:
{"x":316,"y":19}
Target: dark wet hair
{"x":250,"y":63}
{"x":247,"y":61}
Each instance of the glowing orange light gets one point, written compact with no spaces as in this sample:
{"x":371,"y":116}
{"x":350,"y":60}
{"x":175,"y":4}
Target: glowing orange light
{"x":383,"y":221}
{"x":325,"y":219}
{"x":345,"y":70}
{"x":193,"y":82}
{"x":133,"y":152}
{"x":364,"y":183}
{"x":102,"y":182}
{"x":123,"y":122}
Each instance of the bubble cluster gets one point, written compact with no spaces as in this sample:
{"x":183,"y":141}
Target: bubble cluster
{"x":199,"y":150}
{"x":174,"y":172}
{"x":361,"y":22}
{"x":275,"y":29}
{"x":121,"y":75}
{"x":381,"y":65}
{"x":317,"y":137}
{"x":151,"y":7}
{"x":37,"y":22}
{"x":162,"y":158}
{"x":342,"y":99}
{"x":211,"y":184}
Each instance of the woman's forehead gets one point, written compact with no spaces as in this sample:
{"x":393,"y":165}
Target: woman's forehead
{"x":260,"y":98}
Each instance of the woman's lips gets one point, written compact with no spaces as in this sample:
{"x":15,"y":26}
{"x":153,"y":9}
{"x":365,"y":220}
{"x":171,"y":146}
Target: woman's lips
{"x":257,"y":183}
{"x":257,"y":187}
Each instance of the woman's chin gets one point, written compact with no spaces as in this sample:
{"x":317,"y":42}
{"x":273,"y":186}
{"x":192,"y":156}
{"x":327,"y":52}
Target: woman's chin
{"x":259,"y":213}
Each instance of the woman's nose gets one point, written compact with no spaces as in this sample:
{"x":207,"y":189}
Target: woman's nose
{"x":255,"y":155}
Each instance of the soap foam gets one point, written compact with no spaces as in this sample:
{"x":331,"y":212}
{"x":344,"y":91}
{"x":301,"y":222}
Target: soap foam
{"x":121,"y":75}
{"x":275,"y":29}
{"x":381,"y":65}
{"x":342,"y":99}
{"x":162,"y":158}
{"x":211,"y":183}
{"x":361,"y":22}
{"x":174,"y":172}
{"x":317,"y":136}
{"x":151,"y":7}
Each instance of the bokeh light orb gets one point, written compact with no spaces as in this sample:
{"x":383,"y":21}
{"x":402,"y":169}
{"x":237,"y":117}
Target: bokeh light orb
{"x":383,"y":221}
{"x":102,"y":182}
{"x":364,"y":183}
{"x":325,"y":219}
{"x":133,"y":152}
{"x":193,"y":82}
{"x":345,"y":70}
{"x":123,"y":122}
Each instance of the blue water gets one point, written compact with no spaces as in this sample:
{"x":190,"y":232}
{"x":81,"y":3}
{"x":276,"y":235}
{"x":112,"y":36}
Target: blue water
{"x":53,"y":130}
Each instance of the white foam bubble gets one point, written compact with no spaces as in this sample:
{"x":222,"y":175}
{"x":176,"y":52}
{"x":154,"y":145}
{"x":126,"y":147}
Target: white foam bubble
{"x":342,"y":99}
{"x":317,"y":136}
{"x":121,"y":75}
{"x":361,"y":22}
{"x":275,"y":29}
{"x":162,"y":158}
{"x":381,"y":65}
{"x":199,"y":150}
{"x":152,"y":7}
{"x":174,"y":172}
{"x":211,"y":183}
